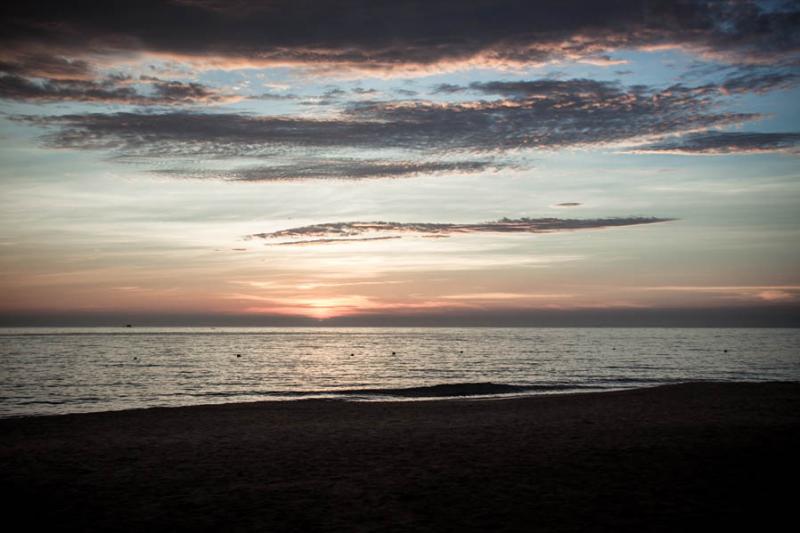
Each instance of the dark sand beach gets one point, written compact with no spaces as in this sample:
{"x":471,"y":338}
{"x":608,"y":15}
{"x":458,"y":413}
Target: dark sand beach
{"x":687,"y":457}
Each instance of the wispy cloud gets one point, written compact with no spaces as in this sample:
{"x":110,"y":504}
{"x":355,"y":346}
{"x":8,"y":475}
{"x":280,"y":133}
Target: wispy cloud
{"x":540,"y":114}
{"x":749,"y":80}
{"x":350,"y":169}
{"x":312,"y":242}
{"x":269,"y":95}
{"x":766,"y":293}
{"x":41,"y":65}
{"x":355,"y":231}
{"x":111,"y":90}
{"x":293,"y":287}
{"x":493,"y":296}
{"x":716,"y":143}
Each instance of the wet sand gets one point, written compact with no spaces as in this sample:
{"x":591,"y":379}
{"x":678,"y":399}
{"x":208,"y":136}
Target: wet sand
{"x":676,"y":458}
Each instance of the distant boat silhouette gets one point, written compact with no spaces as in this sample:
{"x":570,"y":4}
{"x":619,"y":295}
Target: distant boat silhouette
{"x":128,"y":326}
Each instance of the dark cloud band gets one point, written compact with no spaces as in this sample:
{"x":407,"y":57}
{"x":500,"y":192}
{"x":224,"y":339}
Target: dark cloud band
{"x":349,"y":169}
{"x":110,"y":91}
{"x":727,"y":143}
{"x":345,"y":231}
{"x":395,"y":33}
{"x":537,"y":114}
{"x":314,"y":242}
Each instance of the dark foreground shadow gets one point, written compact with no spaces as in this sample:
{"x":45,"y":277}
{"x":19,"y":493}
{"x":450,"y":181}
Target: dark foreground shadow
{"x":698,"y":457}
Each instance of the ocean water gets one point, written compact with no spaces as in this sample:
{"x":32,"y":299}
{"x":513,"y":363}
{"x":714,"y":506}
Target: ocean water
{"x":69,"y":370}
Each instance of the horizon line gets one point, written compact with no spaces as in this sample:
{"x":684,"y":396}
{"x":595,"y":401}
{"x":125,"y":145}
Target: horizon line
{"x":749,"y":316}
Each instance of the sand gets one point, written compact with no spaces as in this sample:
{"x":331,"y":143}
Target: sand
{"x":675,"y":458}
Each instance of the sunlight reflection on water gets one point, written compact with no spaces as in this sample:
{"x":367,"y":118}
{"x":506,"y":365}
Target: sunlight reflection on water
{"x":61,"y":370}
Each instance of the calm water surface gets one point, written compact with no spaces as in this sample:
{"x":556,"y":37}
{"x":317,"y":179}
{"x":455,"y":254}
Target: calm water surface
{"x":66,"y":370}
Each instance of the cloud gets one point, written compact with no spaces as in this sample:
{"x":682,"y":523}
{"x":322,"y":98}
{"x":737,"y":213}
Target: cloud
{"x":505,"y":296}
{"x":777,"y":296}
{"x":448,"y":88}
{"x":351,"y":169}
{"x":758,"y":81}
{"x":332,"y":241}
{"x":715,"y":143}
{"x":112,"y":90}
{"x":330,"y":97}
{"x":402,"y":34}
{"x":766,"y":293}
{"x":346,"y":231}
{"x":274,"y":96}
{"x":46,"y":66}
{"x":745,"y":79}
{"x":539,"y":114}
{"x":573,"y":89}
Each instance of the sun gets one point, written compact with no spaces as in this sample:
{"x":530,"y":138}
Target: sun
{"x":320,"y":308}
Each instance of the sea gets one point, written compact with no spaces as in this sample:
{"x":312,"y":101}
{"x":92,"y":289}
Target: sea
{"x":50,"y":371}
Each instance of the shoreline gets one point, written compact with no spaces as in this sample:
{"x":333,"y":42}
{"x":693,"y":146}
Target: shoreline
{"x":401,"y":395}
{"x":408,"y":395}
{"x":693,"y":456}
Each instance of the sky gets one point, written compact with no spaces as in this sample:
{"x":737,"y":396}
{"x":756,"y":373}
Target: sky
{"x":367,"y":162}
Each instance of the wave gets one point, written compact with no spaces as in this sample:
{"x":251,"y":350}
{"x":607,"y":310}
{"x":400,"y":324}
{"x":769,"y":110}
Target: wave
{"x":455,"y":390}
{"x":444,"y":390}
